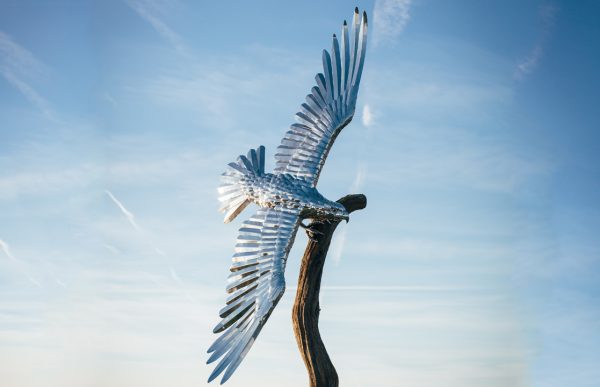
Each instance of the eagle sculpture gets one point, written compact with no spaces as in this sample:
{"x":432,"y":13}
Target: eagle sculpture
{"x":284,"y":197}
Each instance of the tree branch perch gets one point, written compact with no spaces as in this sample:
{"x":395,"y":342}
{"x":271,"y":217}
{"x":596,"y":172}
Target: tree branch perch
{"x":306,"y":309}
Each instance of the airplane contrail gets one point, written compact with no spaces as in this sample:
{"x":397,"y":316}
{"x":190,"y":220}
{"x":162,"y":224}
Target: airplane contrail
{"x":6,"y":250}
{"x":130,"y":217}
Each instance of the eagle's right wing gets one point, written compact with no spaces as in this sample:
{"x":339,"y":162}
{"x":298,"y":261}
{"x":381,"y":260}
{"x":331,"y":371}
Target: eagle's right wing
{"x":256,"y":284}
{"x":328,"y":108}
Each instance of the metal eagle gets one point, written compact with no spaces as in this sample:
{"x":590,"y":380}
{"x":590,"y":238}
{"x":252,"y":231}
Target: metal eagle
{"x":285,"y":197}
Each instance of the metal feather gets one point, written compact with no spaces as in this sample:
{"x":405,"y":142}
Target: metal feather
{"x":285,"y":197}
{"x":329,"y":107}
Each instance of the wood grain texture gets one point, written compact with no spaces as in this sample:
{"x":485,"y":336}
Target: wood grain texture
{"x":305,"y":314}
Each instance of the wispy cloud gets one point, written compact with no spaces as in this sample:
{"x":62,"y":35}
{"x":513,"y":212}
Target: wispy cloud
{"x":111,"y":248}
{"x":437,"y":111}
{"x":218,"y":88}
{"x":17,"y":57}
{"x":151,"y":11}
{"x":17,"y":64}
{"x":398,"y":288}
{"x":337,"y":249}
{"x":130,"y":217}
{"x":367,"y":116}
{"x":45,"y":182}
{"x":389,"y":19}
{"x":108,"y":313}
{"x":6,"y":250}
{"x":359,"y":179}
{"x":340,"y":239}
{"x":547,"y":16}
{"x":107,"y":97}
{"x":59,"y":178}
{"x":29,"y":92}
{"x":490,"y":168}
{"x":148,"y":240}
{"x":434,"y":90}
{"x":26,"y":267}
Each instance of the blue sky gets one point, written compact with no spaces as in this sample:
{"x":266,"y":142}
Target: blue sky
{"x":476,"y":262}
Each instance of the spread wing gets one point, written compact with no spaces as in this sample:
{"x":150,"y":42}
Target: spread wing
{"x":328,"y":108}
{"x":256,"y":284}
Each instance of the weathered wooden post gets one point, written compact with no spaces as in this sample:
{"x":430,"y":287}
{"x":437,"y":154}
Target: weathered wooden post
{"x":306,"y":309}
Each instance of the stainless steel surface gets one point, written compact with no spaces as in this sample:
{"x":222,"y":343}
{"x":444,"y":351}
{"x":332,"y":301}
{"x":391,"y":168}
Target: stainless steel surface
{"x":285,"y":197}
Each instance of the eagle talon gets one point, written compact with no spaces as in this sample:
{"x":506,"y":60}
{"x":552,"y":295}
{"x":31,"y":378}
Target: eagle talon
{"x":311,"y":236}
{"x":311,"y":231}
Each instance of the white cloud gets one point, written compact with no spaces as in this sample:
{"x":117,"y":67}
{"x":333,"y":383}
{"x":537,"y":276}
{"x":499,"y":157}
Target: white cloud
{"x":340,"y":239}
{"x":106,"y":96}
{"x":389,"y":19}
{"x":6,"y":250}
{"x":399,"y":288}
{"x":429,"y":249}
{"x":111,"y":248}
{"x":30,"y":93}
{"x":547,"y":15}
{"x":437,"y":116}
{"x":17,"y":64}
{"x":443,"y":94}
{"x":60,"y":282}
{"x":109,"y":319}
{"x":150,"y":11}
{"x":219,"y":89}
{"x":527,"y":65}
{"x":18,"y":58}
{"x":359,"y":179}
{"x":44,"y":182}
{"x":338,"y":246}
{"x":489,"y":168}
{"x":367,"y":116}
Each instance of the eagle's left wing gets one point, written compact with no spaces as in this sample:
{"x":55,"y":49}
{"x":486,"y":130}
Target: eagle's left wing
{"x":256,"y":284}
{"x":328,"y":108}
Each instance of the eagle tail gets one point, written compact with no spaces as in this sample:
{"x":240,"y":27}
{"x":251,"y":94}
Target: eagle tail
{"x":231,"y":193}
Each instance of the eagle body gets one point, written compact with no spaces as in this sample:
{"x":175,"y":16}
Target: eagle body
{"x":284,"y":197}
{"x":286,"y":192}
